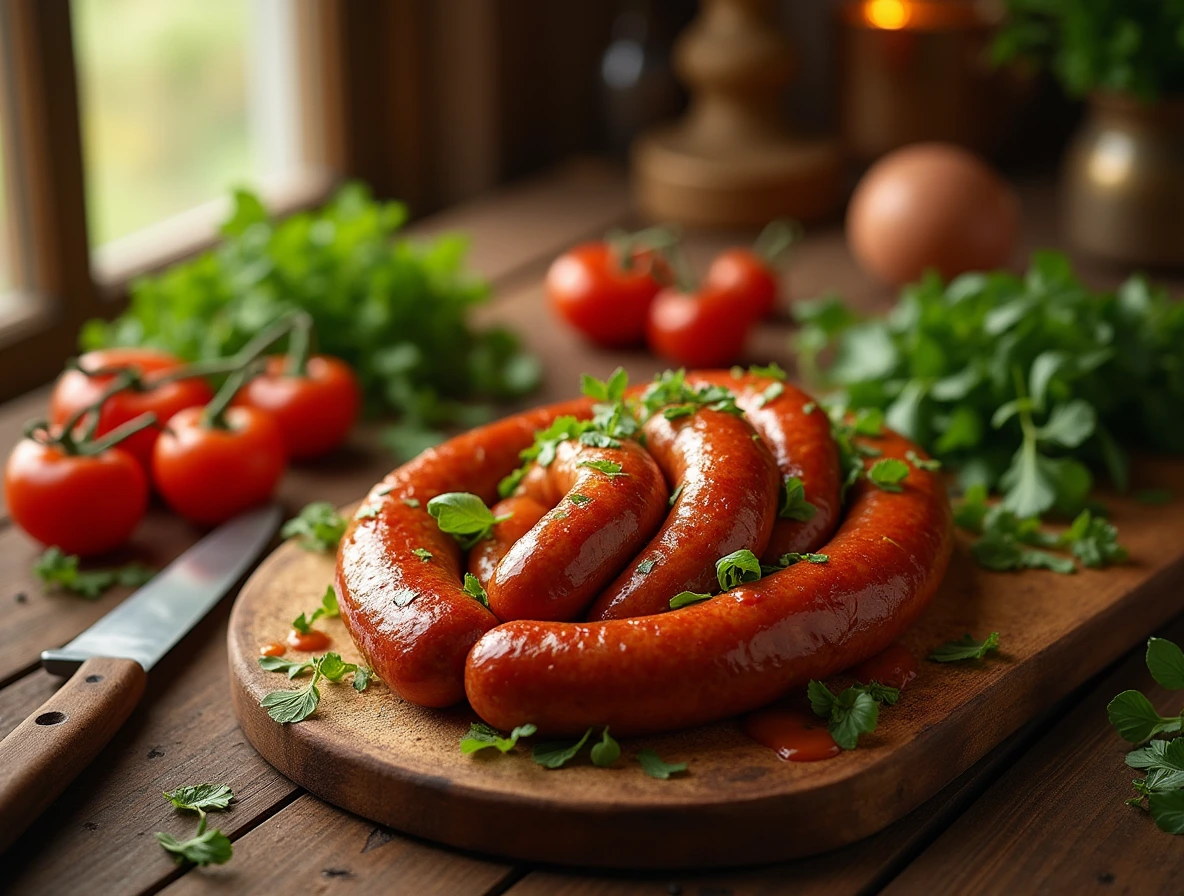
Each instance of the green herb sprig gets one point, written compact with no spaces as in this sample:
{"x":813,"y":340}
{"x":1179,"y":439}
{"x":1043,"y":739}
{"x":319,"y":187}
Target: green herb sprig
{"x":328,"y":609}
{"x":318,"y":527}
{"x":295,"y":706}
{"x":206,"y":847}
{"x":59,"y":570}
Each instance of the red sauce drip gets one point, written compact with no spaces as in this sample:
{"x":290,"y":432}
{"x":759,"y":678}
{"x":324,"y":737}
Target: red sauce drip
{"x":275,"y":648}
{"x":794,"y":735}
{"x":895,"y":667}
{"x":314,"y":640}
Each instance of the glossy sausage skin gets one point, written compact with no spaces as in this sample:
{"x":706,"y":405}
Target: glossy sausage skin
{"x":600,"y":520}
{"x":728,"y":502}
{"x":418,"y":648}
{"x":739,"y":650}
{"x":486,"y":554}
{"x":802,"y":446}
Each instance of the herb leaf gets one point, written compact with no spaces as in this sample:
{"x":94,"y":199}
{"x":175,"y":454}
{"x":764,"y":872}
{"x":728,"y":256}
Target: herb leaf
{"x":318,"y":527}
{"x":481,"y":736}
{"x":58,"y":569}
{"x":464,"y":516}
{"x":735,"y":569}
{"x":653,"y":765}
{"x":606,"y":751}
{"x":1136,"y":719}
{"x":965,"y":648}
{"x":850,"y":714}
{"x":888,"y":473}
{"x":1165,"y":661}
{"x":686,"y":598}
{"x":556,"y":754}
{"x":210,"y":847}
{"x":201,"y":798}
{"x":609,"y":468}
{"x":473,"y":589}
{"x":794,"y":505}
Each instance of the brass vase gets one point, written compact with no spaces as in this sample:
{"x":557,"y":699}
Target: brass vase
{"x":1123,"y":188}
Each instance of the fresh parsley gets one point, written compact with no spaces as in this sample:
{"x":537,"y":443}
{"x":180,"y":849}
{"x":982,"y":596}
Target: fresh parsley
{"x":296,"y":706}
{"x":769,"y":394}
{"x":318,"y":527}
{"x":422,"y":553}
{"x":686,"y":598}
{"x":206,"y":847}
{"x":482,"y":736}
{"x":794,"y":505}
{"x":397,"y":310}
{"x":59,"y":570}
{"x":580,"y":500}
{"x":464,"y":516}
{"x":735,"y":569}
{"x":328,"y":609}
{"x":609,"y":468}
{"x":606,"y":751}
{"x":473,"y":589}
{"x":965,"y":648}
{"x":888,"y":473}
{"x":1136,"y":720}
{"x":556,"y":754}
{"x":654,"y":766}
{"x":645,"y":567}
{"x":851,"y":713}
{"x":674,"y":397}
{"x":987,"y":374}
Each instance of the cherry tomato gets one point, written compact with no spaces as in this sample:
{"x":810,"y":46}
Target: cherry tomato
{"x":701,"y":329}
{"x":209,"y":474}
{"x":607,"y":303}
{"x":75,"y":390}
{"x":84,"y":504}
{"x":316,"y":411}
{"x":748,"y":278}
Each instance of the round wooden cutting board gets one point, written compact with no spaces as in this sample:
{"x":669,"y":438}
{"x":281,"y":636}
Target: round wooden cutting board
{"x":737,"y":803}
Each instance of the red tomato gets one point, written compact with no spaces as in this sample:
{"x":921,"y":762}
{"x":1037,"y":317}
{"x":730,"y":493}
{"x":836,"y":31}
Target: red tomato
{"x":702,"y":329}
{"x":209,"y":474}
{"x":589,"y":289}
{"x":316,"y":411}
{"x":748,"y":278}
{"x":84,"y":504}
{"x":75,"y":390}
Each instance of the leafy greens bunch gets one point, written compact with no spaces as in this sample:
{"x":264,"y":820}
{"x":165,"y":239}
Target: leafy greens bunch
{"x":1025,"y":385}
{"x":396,"y":311}
{"x":1131,"y":46}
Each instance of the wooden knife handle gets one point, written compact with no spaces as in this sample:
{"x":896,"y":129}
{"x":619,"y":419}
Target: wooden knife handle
{"x":47,"y":750}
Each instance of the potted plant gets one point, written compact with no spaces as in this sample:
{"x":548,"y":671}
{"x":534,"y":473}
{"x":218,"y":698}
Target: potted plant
{"x":1123,"y":178}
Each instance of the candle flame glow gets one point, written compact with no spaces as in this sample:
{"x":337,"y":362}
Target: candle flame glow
{"x":891,"y":15}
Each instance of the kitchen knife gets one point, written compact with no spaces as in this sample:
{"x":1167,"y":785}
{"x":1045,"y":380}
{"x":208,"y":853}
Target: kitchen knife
{"x":107,"y":664}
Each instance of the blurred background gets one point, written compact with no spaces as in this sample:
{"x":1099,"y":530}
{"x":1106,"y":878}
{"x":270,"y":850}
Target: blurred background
{"x":127,"y":122}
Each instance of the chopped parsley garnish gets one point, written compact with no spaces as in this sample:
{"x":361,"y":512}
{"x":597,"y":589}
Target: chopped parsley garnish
{"x":645,"y":567}
{"x":206,"y":847}
{"x":1137,"y":720}
{"x":853,"y":712}
{"x":58,"y":569}
{"x":772,"y":371}
{"x":556,"y":754}
{"x":670,"y":391}
{"x":922,"y":463}
{"x":686,"y":598}
{"x":965,"y":648}
{"x":482,"y":736}
{"x":296,"y":706}
{"x":473,"y":589}
{"x":609,"y":468}
{"x":318,"y":527}
{"x":769,"y":394}
{"x":580,"y":500}
{"x":422,"y":553}
{"x":674,"y":494}
{"x":464,"y":516}
{"x":794,"y":505}
{"x":735,"y":569}
{"x":413,"y":502}
{"x":888,"y":473}
{"x":327,"y":610}
{"x":606,"y":751}
{"x":653,"y":765}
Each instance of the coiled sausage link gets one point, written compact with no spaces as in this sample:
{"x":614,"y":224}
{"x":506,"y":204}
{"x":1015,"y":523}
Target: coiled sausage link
{"x":410,"y":618}
{"x":727,"y":501}
{"x":601,"y":518}
{"x":797,"y":431}
{"x":739,"y":650}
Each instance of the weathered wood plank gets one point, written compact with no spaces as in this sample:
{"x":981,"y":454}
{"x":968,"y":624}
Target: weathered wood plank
{"x":1055,"y":822}
{"x":98,"y":837}
{"x":312,"y":847}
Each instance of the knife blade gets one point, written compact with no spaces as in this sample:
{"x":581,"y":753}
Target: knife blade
{"x":109,"y":661}
{"x":147,"y":625}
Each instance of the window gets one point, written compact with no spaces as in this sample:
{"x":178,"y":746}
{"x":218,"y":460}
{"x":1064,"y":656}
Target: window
{"x":181,"y":102}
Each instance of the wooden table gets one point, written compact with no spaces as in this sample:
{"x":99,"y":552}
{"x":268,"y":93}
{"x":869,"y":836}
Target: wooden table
{"x":1043,"y":813}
